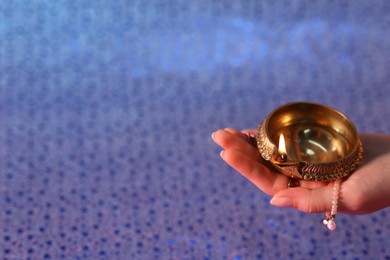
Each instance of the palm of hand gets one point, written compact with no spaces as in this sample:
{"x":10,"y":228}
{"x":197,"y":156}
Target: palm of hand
{"x":364,"y":191}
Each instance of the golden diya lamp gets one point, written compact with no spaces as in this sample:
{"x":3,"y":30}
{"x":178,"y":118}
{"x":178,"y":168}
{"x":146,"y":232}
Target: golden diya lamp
{"x":311,"y":142}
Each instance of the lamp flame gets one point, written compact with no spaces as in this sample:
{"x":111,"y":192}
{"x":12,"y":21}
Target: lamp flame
{"x":282,"y":146}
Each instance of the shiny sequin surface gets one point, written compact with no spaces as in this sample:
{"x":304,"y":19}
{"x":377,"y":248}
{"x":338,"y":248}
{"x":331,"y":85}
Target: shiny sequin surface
{"x":106,"y":112}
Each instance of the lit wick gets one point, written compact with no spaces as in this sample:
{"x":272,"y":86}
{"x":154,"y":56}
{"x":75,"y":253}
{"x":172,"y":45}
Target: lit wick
{"x":282,"y":148}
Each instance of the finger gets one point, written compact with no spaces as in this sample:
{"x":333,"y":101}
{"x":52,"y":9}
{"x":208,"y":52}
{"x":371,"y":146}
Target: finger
{"x":251,"y":132}
{"x":228,"y":140}
{"x":248,"y":136}
{"x":235,"y":132}
{"x":242,"y":134}
{"x":260,"y":175}
{"x":304,"y":199}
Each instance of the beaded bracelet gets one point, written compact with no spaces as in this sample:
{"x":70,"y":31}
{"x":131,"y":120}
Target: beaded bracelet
{"x":330,"y":216}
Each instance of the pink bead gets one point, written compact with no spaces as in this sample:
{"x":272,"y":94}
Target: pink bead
{"x":331,"y":225}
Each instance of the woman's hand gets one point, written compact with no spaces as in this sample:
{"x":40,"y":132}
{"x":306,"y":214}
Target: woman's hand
{"x":364,"y":191}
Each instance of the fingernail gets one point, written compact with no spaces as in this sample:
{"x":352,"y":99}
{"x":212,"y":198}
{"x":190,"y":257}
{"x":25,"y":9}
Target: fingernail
{"x":281,"y":201}
{"x":212,"y":135}
{"x":221,"y":154}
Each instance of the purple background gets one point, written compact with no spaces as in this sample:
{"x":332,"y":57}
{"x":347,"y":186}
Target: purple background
{"x":107,"y":107}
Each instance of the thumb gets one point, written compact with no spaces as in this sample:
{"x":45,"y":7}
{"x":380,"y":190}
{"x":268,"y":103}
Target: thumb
{"x":304,"y":199}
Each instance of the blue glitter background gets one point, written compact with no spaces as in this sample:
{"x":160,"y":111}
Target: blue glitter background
{"x":106,"y":111}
